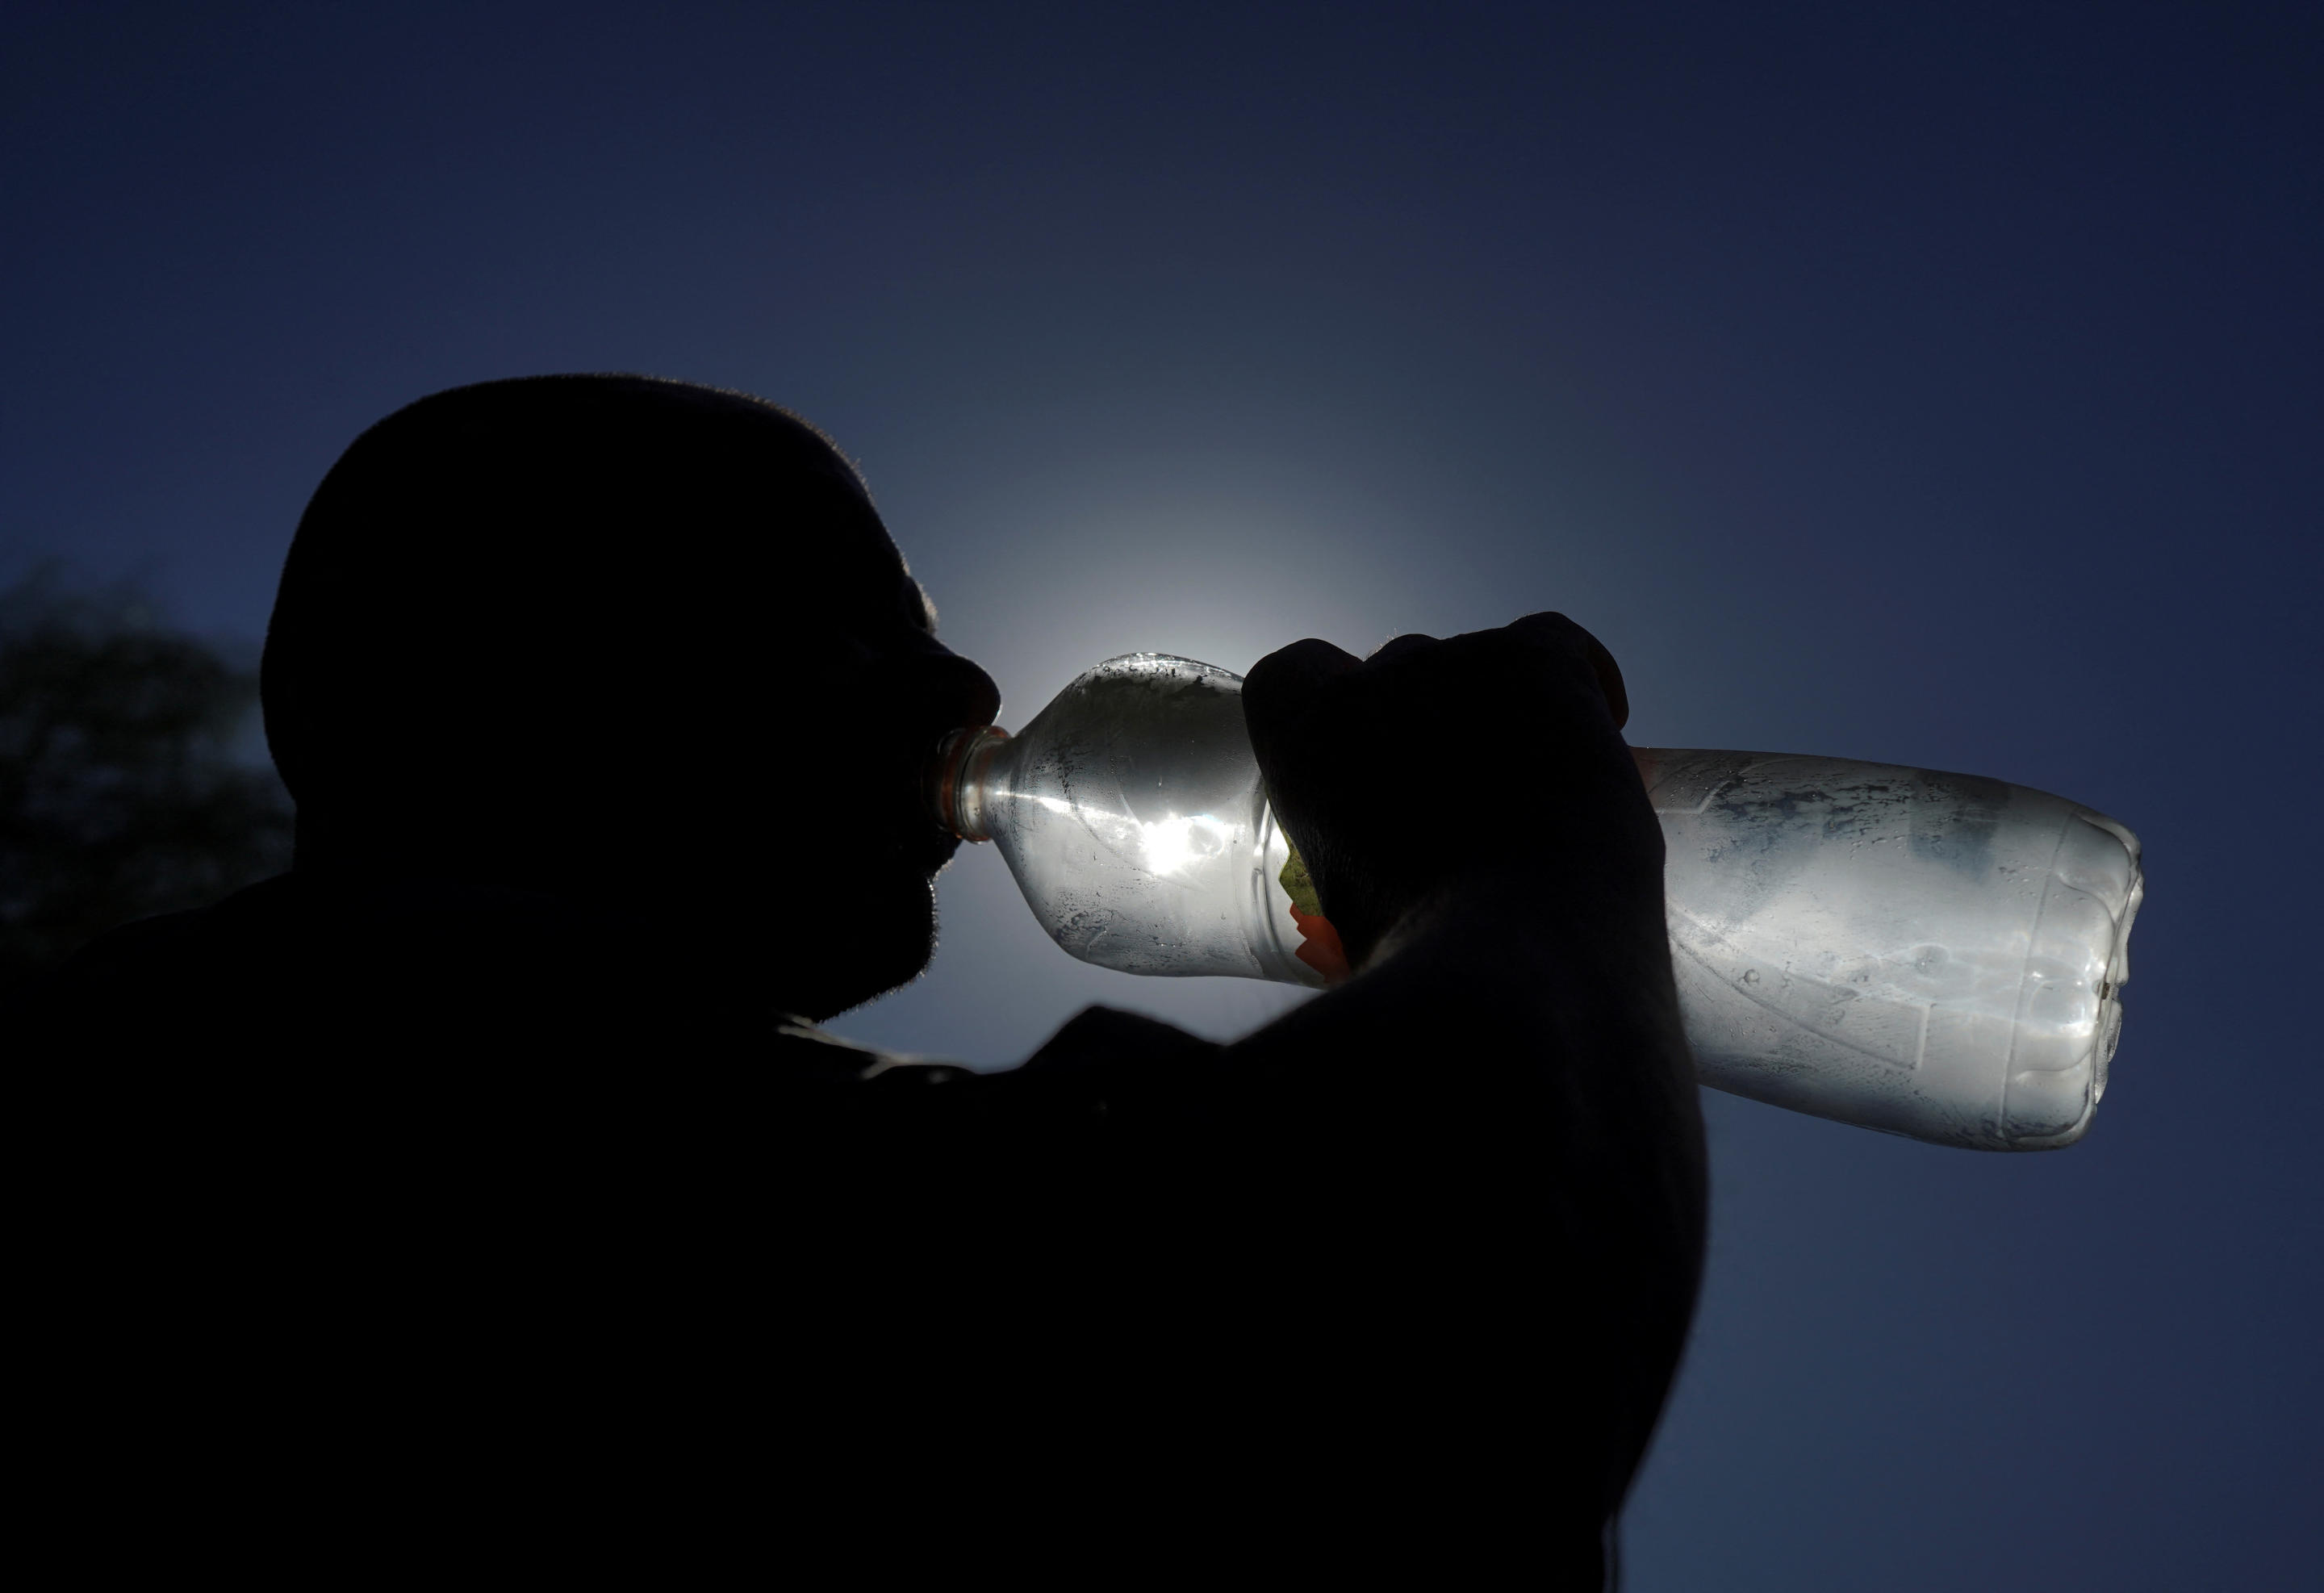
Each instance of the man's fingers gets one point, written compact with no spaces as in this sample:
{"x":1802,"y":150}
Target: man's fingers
{"x":1555,"y":631}
{"x":1287,"y":678}
{"x":1282,"y":683}
{"x":1411,"y":642}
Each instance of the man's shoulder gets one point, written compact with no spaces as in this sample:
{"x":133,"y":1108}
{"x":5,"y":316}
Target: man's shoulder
{"x":135,"y":972}
{"x":315,"y":965}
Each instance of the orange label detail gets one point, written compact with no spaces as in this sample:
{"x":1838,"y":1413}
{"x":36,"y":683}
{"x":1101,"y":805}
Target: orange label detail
{"x":1320,"y":948}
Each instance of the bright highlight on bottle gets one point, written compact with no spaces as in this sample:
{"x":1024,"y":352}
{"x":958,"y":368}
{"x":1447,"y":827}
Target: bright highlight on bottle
{"x":1176,"y":844}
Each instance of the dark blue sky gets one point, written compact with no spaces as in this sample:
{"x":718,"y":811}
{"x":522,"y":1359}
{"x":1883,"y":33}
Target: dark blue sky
{"x":1934,"y":383}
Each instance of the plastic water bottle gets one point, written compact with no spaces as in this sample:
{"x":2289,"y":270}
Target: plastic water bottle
{"x":1931,"y":955}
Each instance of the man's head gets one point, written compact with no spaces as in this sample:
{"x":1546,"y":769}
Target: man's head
{"x":630,"y":642}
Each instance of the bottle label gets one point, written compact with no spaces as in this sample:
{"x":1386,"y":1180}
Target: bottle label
{"x":1320,"y":947}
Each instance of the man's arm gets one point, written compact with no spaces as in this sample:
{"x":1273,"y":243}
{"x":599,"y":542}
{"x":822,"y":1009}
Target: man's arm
{"x":1502,"y":1110}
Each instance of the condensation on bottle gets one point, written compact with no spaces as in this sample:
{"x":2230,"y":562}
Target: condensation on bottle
{"x":1930,"y":955}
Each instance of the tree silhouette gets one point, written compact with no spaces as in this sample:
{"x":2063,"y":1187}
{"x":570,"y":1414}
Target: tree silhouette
{"x":121,"y":795}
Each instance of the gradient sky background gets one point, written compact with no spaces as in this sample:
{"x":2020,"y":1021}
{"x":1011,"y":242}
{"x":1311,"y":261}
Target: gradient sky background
{"x":1928,"y":384}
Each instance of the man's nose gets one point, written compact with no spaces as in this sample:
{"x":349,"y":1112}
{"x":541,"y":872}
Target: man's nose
{"x":962,"y":694}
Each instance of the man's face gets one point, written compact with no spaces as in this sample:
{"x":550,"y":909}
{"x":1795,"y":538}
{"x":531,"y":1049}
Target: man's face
{"x":784,"y":694}
{"x":877,"y":694}
{"x":815,"y":847}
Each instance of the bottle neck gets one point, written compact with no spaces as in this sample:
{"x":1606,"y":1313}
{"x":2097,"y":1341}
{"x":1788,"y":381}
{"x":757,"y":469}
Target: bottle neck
{"x":956,"y":781}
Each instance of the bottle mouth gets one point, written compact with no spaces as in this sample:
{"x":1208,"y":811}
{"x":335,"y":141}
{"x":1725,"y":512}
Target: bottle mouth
{"x":954,"y":784}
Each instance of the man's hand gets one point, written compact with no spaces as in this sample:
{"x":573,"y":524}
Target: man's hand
{"x":1492,"y":760}
{"x":1486,"y":1150}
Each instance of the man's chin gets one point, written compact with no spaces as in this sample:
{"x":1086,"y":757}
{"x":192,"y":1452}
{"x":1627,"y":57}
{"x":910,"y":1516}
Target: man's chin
{"x":874,"y":944}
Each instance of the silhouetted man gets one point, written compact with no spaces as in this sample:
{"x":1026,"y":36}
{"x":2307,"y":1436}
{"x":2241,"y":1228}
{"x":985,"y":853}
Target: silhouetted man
{"x":479,"y":1192}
